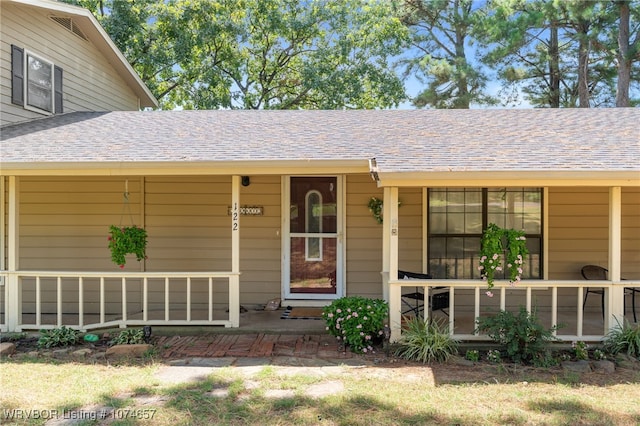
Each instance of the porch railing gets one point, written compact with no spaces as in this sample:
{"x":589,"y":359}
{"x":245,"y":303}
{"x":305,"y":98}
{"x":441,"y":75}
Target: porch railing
{"x":13,"y":290}
{"x":572,"y":305}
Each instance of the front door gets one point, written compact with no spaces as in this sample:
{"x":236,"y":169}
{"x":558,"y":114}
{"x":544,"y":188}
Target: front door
{"x":313,"y":252}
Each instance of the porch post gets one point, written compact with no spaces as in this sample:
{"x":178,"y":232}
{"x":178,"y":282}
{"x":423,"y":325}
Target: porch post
{"x":391,"y":217}
{"x":13,"y":305}
{"x":614,"y":306}
{"x":234,"y":280}
{"x":386,"y":232}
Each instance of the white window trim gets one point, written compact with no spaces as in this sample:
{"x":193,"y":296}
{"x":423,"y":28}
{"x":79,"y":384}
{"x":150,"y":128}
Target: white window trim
{"x":25,"y":88}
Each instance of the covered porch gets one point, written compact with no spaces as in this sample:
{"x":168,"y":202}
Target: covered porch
{"x":572,"y":305}
{"x":61,"y":191}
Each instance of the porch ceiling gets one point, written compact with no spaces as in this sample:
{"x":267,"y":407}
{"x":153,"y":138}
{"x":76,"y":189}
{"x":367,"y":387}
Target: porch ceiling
{"x":409,"y":148}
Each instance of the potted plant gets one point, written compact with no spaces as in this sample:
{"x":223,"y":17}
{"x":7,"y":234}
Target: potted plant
{"x":127,"y":240}
{"x":497,"y":243}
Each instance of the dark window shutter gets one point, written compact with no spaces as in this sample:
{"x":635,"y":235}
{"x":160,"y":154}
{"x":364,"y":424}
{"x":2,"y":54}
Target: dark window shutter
{"x":17,"y":75}
{"x":57,"y":79}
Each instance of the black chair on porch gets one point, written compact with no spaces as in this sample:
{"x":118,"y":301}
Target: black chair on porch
{"x":594,"y":272}
{"x":414,"y":302}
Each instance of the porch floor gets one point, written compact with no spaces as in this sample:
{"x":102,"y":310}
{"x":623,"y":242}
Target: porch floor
{"x":270,"y":322}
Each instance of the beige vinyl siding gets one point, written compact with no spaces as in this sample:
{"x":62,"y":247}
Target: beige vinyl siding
{"x":190,"y":230}
{"x":579,"y":235}
{"x":579,"y":231}
{"x":364,"y":235}
{"x":363,"y":238}
{"x":64,"y":225}
{"x":89,"y":84}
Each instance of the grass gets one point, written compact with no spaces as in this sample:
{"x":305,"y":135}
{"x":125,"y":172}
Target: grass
{"x":394,"y":394}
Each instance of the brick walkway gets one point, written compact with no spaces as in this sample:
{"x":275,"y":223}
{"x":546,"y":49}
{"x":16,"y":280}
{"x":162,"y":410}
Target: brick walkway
{"x":250,"y":345}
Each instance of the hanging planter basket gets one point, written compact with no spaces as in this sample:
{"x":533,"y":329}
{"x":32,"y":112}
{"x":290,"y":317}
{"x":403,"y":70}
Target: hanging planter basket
{"x":124,"y":240}
{"x":127,"y":240}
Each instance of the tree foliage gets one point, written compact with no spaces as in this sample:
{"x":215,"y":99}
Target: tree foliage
{"x":555,"y":53}
{"x":250,"y":54}
{"x":330,"y":54}
{"x":440,"y":35}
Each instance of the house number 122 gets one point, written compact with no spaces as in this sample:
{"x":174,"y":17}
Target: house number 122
{"x":235,"y":214}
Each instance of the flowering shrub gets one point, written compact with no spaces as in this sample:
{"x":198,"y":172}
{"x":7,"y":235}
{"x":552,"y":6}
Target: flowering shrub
{"x":580,"y":350}
{"x":599,"y":355}
{"x":492,"y":250}
{"x":356,"y":321}
{"x":127,"y":240}
{"x":493,"y":355}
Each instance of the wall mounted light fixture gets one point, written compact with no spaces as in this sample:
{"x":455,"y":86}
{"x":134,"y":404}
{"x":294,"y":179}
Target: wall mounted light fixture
{"x":246,"y":181}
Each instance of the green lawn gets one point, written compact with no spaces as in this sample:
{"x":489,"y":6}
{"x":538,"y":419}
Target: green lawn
{"x":389,"y":394}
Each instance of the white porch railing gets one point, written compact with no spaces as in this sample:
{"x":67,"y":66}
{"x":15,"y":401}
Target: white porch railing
{"x":572,"y":305}
{"x":118,"y":312}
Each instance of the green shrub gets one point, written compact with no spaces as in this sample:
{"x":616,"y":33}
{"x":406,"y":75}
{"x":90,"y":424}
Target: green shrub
{"x":426,"y":341}
{"x":472,"y":355}
{"x":524,"y":338}
{"x":58,"y":337}
{"x":129,"y":336}
{"x":357,"y":321}
{"x":12,"y":337}
{"x":623,"y":338}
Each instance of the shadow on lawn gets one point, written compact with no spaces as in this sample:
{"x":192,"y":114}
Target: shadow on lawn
{"x":196,"y":404}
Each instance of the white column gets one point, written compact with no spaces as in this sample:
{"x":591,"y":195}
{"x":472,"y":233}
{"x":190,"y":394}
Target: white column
{"x":614,"y":301}
{"x":13,"y":306}
{"x":386,"y":233}
{"x":234,"y":281}
{"x":395,"y":292}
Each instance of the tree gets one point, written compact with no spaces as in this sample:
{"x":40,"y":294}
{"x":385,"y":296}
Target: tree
{"x":557,"y":53}
{"x":440,"y":36}
{"x":628,"y":50}
{"x":272,"y":54}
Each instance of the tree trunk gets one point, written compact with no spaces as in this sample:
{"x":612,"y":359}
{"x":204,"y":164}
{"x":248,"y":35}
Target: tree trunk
{"x":461,"y":66}
{"x":583,"y":65}
{"x":554,"y":67}
{"x":624,"y":61}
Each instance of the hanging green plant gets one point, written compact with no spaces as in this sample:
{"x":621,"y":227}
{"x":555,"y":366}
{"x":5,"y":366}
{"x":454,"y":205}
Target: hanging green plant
{"x":127,"y":240}
{"x":496,"y":242}
{"x":375,"y":207}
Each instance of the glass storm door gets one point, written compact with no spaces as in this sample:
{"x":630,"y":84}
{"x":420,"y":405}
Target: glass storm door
{"x":314,"y":246}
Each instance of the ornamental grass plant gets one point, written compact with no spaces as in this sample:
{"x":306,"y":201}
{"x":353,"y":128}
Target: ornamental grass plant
{"x":426,"y":341}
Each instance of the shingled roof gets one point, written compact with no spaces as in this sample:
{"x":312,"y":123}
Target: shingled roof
{"x":580,"y":142}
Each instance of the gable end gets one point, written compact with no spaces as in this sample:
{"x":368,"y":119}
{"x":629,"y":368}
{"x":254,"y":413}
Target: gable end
{"x":70,"y":25}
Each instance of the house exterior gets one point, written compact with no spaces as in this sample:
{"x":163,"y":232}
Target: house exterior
{"x":56,"y":58}
{"x":300,"y":228}
{"x":242,"y":207}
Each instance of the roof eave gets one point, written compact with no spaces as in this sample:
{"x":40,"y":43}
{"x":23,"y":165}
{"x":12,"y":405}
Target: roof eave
{"x":510,"y":178}
{"x":181,"y":168}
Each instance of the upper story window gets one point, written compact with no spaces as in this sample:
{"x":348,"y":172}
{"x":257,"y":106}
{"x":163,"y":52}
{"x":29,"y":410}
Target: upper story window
{"x":36,"y":82}
{"x":457,"y":217}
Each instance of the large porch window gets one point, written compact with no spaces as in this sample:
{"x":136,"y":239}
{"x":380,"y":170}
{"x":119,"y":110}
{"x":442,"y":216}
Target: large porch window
{"x":457,"y":217}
